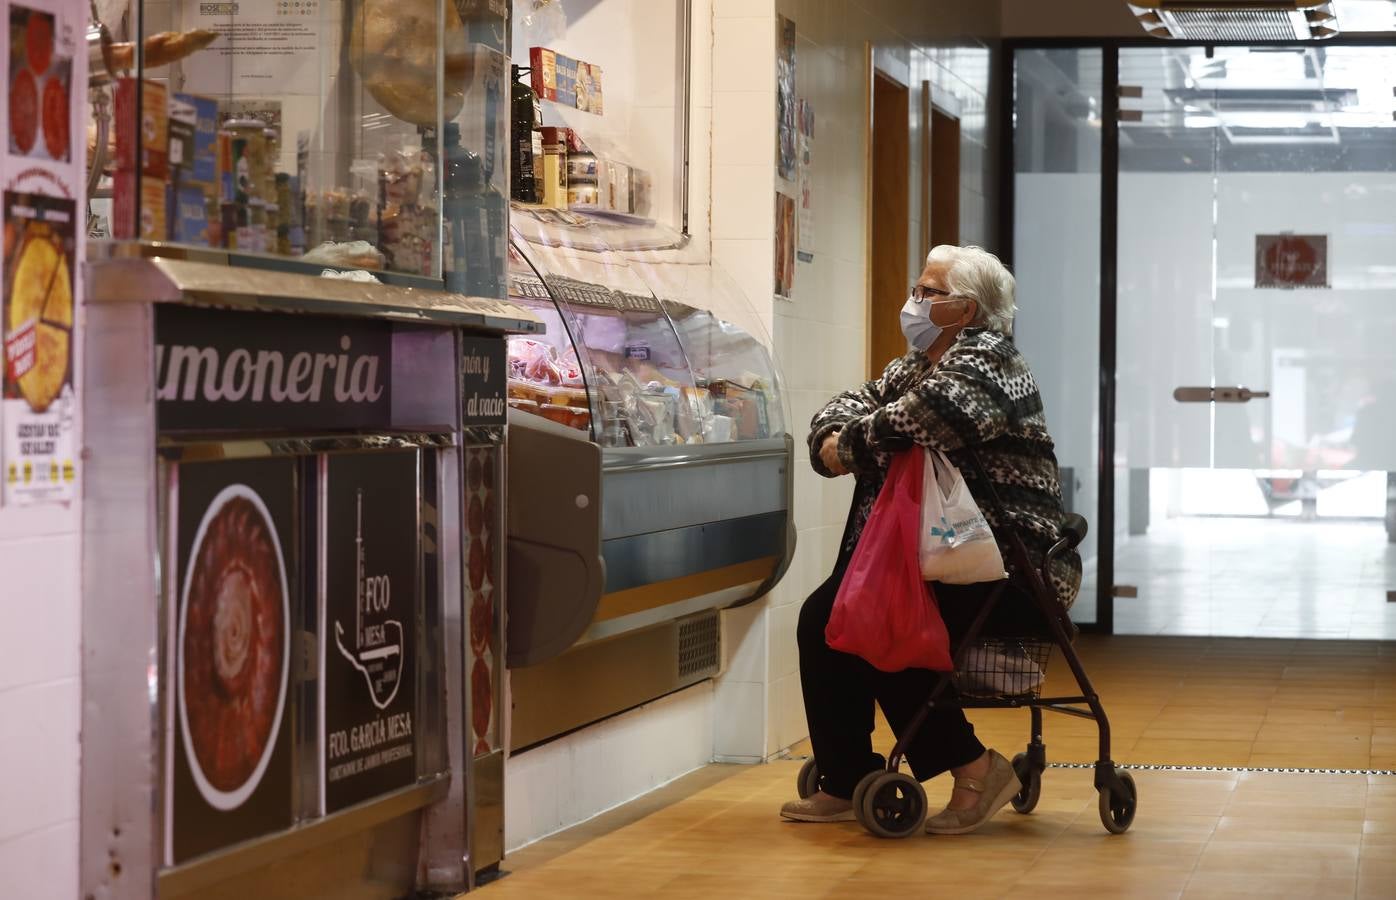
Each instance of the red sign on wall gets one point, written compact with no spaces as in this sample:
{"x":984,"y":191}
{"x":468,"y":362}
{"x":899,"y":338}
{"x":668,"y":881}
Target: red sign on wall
{"x":1291,"y":260}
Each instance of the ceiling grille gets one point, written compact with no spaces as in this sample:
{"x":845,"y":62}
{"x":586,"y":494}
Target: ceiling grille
{"x":1225,"y":25}
{"x":1252,"y":21}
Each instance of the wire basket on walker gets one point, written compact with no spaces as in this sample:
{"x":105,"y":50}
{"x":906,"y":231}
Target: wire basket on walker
{"x":1001,"y":672}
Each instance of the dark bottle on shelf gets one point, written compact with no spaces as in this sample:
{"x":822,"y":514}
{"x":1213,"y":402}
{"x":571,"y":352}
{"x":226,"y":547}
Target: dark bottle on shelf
{"x":523,"y":121}
{"x":475,"y":223}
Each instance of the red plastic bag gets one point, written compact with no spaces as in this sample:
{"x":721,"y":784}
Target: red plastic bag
{"x":884,"y":612}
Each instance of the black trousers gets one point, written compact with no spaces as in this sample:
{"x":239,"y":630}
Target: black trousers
{"x":840,"y":690}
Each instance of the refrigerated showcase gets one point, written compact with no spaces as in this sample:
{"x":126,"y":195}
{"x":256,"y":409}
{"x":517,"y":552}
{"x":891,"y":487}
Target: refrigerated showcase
{"x":650,"y":468}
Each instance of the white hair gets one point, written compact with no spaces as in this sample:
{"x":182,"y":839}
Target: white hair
{"x":979,"y":275}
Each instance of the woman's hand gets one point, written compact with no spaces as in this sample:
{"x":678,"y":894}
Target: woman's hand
{"x":829,"y":455}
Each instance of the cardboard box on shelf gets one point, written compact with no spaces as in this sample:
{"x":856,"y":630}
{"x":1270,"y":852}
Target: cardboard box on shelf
{"x":543,"y":74}
{"x":194,"y":138}
{"x":188,"y":215}
{"x":148,"y":223}
{"x":566,"y":80}
{"x":589,"y":88}
{"x":142,"y":135}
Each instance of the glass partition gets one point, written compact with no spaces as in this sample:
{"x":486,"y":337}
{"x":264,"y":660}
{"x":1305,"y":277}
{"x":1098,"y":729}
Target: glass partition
{"x":641,"y":348}
{"x":315,"y":134}
{"x":1255,"y":239}
{"x":1057,"y":161}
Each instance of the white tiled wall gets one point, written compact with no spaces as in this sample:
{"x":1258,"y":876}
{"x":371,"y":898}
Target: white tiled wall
{"x":820,"y":335}
{"x":40,"y":702}
{"x":584,"y":774}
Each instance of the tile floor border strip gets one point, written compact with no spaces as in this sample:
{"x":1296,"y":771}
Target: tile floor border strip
{"x":1279,"y":770}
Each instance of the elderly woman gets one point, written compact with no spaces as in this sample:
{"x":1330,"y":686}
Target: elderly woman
{"x":963,"y":384}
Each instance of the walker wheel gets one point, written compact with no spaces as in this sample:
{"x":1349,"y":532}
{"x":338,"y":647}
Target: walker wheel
{"x":1117,"y":806}
{"x":1025,"y":801}
{"x":860,"y":789}
{"x":807,"y":783}
{"x":891,"y":804}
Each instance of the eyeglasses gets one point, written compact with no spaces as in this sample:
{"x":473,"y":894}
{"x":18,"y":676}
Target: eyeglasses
{"x":921,"y":293}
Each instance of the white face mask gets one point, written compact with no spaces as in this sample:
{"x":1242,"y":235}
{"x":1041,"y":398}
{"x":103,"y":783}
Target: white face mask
{"x":917,"y":326}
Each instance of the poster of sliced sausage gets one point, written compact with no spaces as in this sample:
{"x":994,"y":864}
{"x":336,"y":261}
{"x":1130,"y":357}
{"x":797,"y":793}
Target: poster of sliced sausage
{"x":229,"y":732}
{"x":482,"y":599}
{"x":371,"y":606}
{"x":40,"y":86}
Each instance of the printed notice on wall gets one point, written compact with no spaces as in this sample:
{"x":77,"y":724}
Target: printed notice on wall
{"x":785,"y":99}
{"x":785,"y":246}
{"x":40,"y":405}
{"x":1291,"y":260}
{"x":371,"y":603}
{"x":41,"y":172}
{"x":804,"y":230}
{"x":264,"y":47}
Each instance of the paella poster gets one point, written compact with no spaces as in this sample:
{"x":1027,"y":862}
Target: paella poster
{"x":368,"y":650}
{"x":39,"y":403}
{"x":40,"y":176}
{"x":228,"y":730}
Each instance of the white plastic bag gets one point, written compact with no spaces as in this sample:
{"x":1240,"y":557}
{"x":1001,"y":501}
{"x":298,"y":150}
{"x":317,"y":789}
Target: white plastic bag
{"x":994,"y":669}
{"x":957,"y":546}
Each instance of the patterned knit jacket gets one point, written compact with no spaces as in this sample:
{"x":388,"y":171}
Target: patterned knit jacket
{"x":982,"y":395}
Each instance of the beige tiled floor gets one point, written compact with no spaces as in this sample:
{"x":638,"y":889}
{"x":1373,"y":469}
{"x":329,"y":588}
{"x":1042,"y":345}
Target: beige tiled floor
{"x":1198,"y":834}
{"x":1221,"y":702}
{"x":1179,"y":701}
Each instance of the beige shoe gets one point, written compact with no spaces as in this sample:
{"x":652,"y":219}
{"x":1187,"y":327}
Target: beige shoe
{"x":994,"y":789}
{"x":818,"y":807}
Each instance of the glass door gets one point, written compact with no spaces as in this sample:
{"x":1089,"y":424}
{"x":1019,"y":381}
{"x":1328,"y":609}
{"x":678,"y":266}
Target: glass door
{"x":1256,"y":312}
{"x":1057,"y":188}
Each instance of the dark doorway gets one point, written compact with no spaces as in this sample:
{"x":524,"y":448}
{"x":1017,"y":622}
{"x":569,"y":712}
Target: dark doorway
{"x":890,"y":219}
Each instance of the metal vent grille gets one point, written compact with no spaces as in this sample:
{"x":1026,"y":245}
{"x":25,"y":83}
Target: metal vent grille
{"x":700,"y":645}
{"x":1247,"y":21}
{"x":1235,"y":25}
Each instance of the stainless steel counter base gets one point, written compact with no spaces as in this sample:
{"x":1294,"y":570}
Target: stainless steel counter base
{"x":598,"y":680}
{"x":368,"y":852}
{"x":683,"y":532}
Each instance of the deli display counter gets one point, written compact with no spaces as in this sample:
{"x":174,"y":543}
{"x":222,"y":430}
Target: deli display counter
{"x":652,"y":390}
{"x":294,"y":357}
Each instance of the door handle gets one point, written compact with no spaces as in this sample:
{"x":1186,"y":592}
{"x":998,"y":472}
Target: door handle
{"x":1218,"y":395}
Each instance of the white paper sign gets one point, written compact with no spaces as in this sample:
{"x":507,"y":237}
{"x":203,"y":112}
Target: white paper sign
{"x":264,"y":47}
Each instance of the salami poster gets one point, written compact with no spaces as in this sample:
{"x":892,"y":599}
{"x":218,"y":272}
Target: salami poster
{"x":371,"y":595}
{"x":482,"y":527}
{"x":229,"y":764}
{"x":41,"y":174}
{"x":40,"y":83}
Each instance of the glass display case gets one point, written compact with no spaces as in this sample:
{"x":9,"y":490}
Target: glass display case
{"x":294,"y":326}
{"x":307,"y":134}
{"x":655,"y":388}
{"x":642,"y":350}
